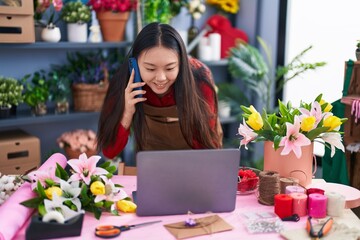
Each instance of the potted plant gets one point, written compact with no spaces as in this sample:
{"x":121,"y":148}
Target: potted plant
{"x":45,"y":29}
{"x":77,"y":142}
{"x":76,"y":15}
{"x":289,"y":134}
{"x":36,"y":92}
{"x":247,"y":63}
{"x":10,"y":95}
{"x":59,"y":89}
{"x":112,"y":16}
{"x":357,"y":51}
{"x":88,"y":74}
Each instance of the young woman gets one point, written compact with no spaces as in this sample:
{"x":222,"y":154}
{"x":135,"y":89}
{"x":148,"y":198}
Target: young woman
{"x":176,"y":107}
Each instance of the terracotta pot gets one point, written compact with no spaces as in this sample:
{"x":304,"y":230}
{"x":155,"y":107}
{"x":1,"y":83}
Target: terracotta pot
{"x":74,"y":154}
{"x":289,"y":165}
{"x":112,"y":25}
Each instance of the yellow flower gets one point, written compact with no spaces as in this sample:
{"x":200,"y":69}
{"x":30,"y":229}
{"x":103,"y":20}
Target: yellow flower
{"x":97,"y":188}
{"x":49,"y":192}
{"x":332,"y":122}
{"x":231,"y":6}
{"x":126,"y":206}
{"x":307,"y":123}
{"x":255,"y":121}
{"x":328,"y":106}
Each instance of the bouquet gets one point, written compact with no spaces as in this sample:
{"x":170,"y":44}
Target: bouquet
{"x":292,"y":127}
{"x":78,"y":140}
{"x":88,"y":188}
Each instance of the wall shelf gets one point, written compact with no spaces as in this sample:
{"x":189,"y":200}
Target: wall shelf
{"x":25,"y":118}
{"x":65,"y":45}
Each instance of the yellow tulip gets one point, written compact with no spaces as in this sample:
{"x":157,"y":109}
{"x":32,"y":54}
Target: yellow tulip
{"x":307,"y":123}
{"x":126,"y":206}
{"x":328,"y":106}
{"x":49,"y":192}
{"x":332,"y":122}
{"x":255,"y":121}
{"x":97,"y":188}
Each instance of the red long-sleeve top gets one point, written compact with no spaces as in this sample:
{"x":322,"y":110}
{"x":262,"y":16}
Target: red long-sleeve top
{"x":165,"y":101}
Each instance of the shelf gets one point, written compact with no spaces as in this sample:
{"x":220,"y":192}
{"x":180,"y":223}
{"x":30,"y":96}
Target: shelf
{"x":227,"y":120}
{"x":222,"y":62}
{"x":64,"y":45}
{"x":24,"y":118}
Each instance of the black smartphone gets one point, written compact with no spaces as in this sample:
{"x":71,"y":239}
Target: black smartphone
{"x":133,"y":65}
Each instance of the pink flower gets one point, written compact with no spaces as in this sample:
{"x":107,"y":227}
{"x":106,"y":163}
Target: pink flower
{"x":294,"y":140}
{"x":41,"y":176}
{"x":85,"y":167}
{"x":247,"y":133}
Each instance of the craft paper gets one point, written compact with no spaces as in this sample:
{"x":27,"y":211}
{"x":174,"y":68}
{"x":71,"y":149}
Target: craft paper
{"x":12,"y":214}
{"x":205,"y":226}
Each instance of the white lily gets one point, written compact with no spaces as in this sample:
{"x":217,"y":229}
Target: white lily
{"x":334,"y":139}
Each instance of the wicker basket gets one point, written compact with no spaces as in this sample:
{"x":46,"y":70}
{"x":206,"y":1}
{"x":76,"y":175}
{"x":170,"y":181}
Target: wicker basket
{"x":89,"y":97}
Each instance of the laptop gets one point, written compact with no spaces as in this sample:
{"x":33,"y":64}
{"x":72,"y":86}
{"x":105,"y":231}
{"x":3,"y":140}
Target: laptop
{"x":180,"y":181}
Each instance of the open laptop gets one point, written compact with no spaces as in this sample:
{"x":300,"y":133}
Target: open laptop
{"x":178,"y":181}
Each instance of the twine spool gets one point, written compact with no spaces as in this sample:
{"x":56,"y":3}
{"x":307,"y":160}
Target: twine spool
{"x":269,"y":186}
{"x":289,"y":181}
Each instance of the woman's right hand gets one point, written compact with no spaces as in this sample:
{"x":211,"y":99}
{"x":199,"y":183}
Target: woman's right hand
{"x":131,"y":100}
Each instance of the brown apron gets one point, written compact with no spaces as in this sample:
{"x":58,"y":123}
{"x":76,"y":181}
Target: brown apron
{"x":163,"y":129}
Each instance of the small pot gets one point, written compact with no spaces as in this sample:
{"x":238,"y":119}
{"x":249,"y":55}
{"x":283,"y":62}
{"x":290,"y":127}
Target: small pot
{"x":62,"y":107}
{"x":4,"y":112}
{"x":39,"y":110}
{"x":51,"y":33}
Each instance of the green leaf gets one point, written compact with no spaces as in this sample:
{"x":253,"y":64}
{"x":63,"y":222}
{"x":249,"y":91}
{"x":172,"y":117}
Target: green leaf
{"x":277,"y":140}
{"x":61,"y":173}
{"x":33,"y":202}
{"x":316,"y":132}
{"x":40,"y":190}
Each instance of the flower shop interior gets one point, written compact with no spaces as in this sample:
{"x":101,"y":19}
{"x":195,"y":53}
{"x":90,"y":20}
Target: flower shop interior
{"x":55,"y":72}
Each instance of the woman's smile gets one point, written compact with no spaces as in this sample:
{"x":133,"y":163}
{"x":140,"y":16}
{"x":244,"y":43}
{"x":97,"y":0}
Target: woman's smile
{"x":159,"y":67}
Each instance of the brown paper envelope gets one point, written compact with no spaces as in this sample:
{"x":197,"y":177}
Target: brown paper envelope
{"x":206,"y":225}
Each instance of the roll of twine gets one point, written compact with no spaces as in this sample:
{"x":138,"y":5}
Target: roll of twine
{"x":289,"y":181}
{"x":269,"y":186}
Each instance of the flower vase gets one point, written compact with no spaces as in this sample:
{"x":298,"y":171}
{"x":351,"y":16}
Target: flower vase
{"x":193,"y":31}
{"x":289,"y":165}
{"x":51,"y":33}
{"x":112,"y":25}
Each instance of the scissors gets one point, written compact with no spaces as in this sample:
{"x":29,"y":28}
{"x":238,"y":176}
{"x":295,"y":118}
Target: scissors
{"x":111,"y":231}
{"x":325,"y":228}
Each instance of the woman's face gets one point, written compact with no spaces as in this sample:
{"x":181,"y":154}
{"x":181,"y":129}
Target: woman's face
{"x":159,"y":68}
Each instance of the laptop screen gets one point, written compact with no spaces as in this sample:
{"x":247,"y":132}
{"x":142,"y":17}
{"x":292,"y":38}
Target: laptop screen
{"x":179,"y":181}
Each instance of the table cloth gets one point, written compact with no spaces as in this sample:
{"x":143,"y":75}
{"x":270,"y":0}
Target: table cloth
{"x":244,"y":204}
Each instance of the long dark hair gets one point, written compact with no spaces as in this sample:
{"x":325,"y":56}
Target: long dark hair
{"x":194,"y":112}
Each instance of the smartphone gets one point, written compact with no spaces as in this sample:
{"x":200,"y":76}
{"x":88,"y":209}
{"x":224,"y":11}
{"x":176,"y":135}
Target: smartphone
{"x":133,"y":65}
